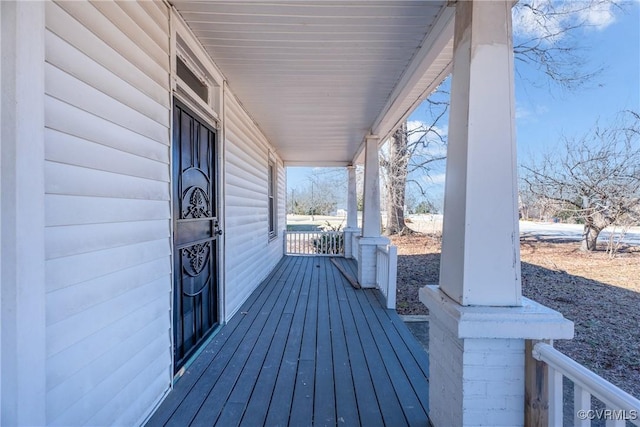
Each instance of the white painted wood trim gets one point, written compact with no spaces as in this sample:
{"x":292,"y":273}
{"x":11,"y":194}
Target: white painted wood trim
{"x":2,"y":71}
{"x":189,"y":49}
{"x":187,"y":96}
{"x":22,"y":193}
{"x":181,"y":29}
{"x":172,"y":86}
{"x":2,"y":68}
{"x":222,"y":213}
{"x":320,"y":163}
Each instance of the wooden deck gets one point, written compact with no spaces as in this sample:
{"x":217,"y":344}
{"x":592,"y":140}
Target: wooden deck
{"x":305,"y":349}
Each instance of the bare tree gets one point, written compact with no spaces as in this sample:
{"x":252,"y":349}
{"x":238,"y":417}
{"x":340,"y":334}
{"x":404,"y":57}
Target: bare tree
{"x":324,"y":190}
{"x":394,"y":165}
{"x":596,"y":178}
{"x":546,"y":39}
{"x":409,"y":151}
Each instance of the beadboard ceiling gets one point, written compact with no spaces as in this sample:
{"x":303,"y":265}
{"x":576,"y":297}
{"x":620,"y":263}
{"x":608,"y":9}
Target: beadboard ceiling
{"x":318,"y":76}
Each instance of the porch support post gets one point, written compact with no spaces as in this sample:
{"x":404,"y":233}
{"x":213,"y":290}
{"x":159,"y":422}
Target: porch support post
{"x":22,"y":192}
{"x":352,"y":199}
{"x":371,"y":223}
{"x":371,"y":216}
{"x":478,"y":317}
{"x":480,"y":262}
{"x":352,"y":213}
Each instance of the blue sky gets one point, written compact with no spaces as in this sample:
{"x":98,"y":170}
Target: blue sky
{"x":542,"y":116}
{"x":546,"y":113}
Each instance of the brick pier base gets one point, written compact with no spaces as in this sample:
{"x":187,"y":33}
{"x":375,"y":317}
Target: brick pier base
{"x":476,"y":358}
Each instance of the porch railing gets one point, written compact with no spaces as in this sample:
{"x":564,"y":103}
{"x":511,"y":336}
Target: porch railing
{"x":386,"y":272}
{"x":620,"y":405}
{"x":354,"y":245}
{"x":316,"y":243}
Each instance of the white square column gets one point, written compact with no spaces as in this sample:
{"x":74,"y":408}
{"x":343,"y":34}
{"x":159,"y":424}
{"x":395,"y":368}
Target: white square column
{"x":480,"y":262}
{"x":478,"y":317}
{"x":352,"y":213}
{"x":371,"y":222}
{"x":371,"y":216}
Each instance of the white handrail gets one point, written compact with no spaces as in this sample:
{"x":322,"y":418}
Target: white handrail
{"x":316,"y":243}
{"x":587,"y":383}
{"x":386,"y":272}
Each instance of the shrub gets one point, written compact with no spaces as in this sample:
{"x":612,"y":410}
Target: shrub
{"x":331,"y":244}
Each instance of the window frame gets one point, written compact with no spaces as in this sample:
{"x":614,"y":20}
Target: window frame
{"x":272,"y":199}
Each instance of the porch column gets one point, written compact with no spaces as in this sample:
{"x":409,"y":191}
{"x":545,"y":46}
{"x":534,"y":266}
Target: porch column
{"x":371,"y":213}
{"x":371,"y":222}
{"x":479,"y":319}
{"x":352,"y":213}
{"x":22,"y":195}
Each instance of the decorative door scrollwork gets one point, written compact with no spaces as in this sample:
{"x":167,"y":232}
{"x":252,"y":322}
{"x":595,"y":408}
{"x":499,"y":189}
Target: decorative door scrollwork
{"x":197,"y":203}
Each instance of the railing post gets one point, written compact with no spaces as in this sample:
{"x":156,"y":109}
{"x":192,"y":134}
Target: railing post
{"x":392,"y":270}
{"x":581,"y":401}
{"x":556,"y":405}
{"x":536,"y":395}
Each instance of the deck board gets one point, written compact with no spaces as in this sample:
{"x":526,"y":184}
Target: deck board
{"x":305,"y":349}
{"x":278,"y":412}
{"x":368,"y":408}
{"x":324,"y":393}
{"x":346,"y":404}
{"x":387,"y":399}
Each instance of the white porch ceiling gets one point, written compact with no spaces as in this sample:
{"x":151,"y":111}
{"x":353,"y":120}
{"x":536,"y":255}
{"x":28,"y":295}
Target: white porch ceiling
{"x":318,"y":76}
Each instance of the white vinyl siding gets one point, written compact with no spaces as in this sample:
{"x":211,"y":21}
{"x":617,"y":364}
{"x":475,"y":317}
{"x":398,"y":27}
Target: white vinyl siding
{"x":249,"y":254}
{"x":107,"y":211}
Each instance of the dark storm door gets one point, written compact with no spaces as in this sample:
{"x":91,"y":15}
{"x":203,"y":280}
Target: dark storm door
{"x":195,"y":233}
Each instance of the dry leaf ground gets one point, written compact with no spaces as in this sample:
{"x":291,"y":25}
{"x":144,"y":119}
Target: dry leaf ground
{"x":600,"y":295}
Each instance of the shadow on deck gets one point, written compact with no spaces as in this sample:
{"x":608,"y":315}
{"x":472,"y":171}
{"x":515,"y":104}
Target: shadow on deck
{"x":305,"y":349}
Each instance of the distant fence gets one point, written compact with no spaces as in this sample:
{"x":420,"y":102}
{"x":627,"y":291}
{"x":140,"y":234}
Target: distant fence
{"x":316,"y":243}
{"x":386,"y":272}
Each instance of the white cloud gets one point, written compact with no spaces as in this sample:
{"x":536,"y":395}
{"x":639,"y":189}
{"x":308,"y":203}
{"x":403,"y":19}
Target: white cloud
{"x":547,"y":18}
{"x":437,"y":179}
{"x":414,"y":127}
{"x":522,"y":112}
{"x":530,"y":113}
{"x":528,"y":23}
{"x":600,"y":16}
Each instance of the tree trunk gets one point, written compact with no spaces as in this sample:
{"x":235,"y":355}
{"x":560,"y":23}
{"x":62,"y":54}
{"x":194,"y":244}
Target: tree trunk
{"x":396,"y":183}
{"x":589,"y":237}
{"x":395,"y":215}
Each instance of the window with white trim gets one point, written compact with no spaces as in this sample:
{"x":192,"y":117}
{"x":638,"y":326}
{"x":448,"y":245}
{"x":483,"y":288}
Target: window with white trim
{"x":273,"y":201}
